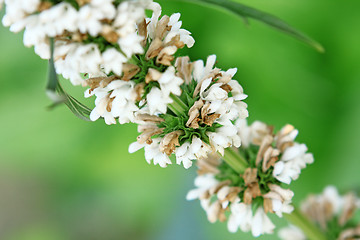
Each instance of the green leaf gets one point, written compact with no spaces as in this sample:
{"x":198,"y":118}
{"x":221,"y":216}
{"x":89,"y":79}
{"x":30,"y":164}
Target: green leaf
{"x":76,"y":107}
{"x":249,"y":12}
{"x":58,"y":95}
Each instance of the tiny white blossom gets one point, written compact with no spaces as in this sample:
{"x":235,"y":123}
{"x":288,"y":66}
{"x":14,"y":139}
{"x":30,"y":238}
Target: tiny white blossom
{"x":243,"y":217}
{"x":291,"y":233}
{"x":224,"y":137}
{"x":191,"y":151}
{"x":152,"y":152}
{"x":292,"y":162}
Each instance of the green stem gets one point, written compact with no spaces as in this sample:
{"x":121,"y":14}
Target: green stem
{"x":178,"y":107}
{"x":302,"y":222}
{"x":235,"y":160}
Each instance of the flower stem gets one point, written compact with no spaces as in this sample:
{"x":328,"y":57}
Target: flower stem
{"x":302,"y":222}
{"x":177,"y":106}
{"x":235,"y":160}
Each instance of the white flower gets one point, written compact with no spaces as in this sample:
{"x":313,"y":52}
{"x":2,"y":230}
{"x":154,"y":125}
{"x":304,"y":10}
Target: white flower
{"x":17,"y":10}
{"x":42,"y":20}
{"x":152,"y":152}
{"x":90,"y":16}
{"x":261,"y":223}
{"x":73,"y":59}
{"x":292,"y":161}
{"x":130,"y":44}
{"x":113,"y":61}
{"x":280,"y":199}
{"x":190,"y":151}
{"x":242,"y":217}
{"x":249,"y":133}
{"x":224,"y":137}
{"x":174,"y":23}
{"x":170,"y":83}
{"x":176,"y":30}
{"x":202,"y":72}
{"x":157,"y":102}
{"x":158,"y":99}
{"x":203,"y":183}
{"x":115,"y":100}
{"x":291,"y":233}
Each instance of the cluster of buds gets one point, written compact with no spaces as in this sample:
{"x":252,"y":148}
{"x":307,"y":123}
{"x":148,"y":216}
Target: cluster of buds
{"x":270,"y":160}
{"x":332,"y":213}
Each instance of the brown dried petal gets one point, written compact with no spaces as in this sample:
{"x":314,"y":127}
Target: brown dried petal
{"x":233,"y":194}
{"x":109,"y":105}
{"x":44,"y":6}
{"x":212,"y":74}
{"x":152,"y":75}
{"x":149,"y":118}
{"x":142,"y":29}
{"x":195,"y":123}
{"x":194,"y":112}
{"x":170,"y":142}
{"x":221,"y":215}
{"x":282,"y":147}
{"x":266,"y":143}
{"x":145,"y":137}
{"x":164,"y":59}
{"x":250,"y":176}
{"x":268,"y":207}
{"x":139,"y":90}
{"x":270,"y":158}
{"x":82,"y":2}
{"x":78,"y":37}
{"x":349,"y":209}
{"x":350,"y":234}
{"x":184,"y":68}
{"x":210,"y":119}
{"x":175,"y":41}
{"x":109,"y":34}
{"x":129,"y":71}
{"x":162,"y":27}
{"x":247,"y":196}
{"x":328,"y":210}
{"x":224,"y":78}
{"x":99,"y":82}
{"x":251,"y":192}
{"x":154,"y":49}
{"x":226,"y":87}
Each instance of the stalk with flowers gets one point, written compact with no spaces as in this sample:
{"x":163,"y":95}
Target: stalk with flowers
{"x":187,"y":111}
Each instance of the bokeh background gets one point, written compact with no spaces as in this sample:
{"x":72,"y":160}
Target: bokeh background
{"x":62,"y":178}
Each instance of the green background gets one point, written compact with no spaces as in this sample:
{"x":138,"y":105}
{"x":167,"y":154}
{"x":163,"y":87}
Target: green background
{"x":62,"y":178}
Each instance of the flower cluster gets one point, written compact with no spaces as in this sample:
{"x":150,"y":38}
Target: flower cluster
{"x":271,"y":159}
{"x":200,"y":121}
{"x":332,"y":213}
{"x":91,"y":36}
{"x":148,"y":79}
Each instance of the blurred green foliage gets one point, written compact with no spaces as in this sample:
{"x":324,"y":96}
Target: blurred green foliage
{"x":63,"y":178}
